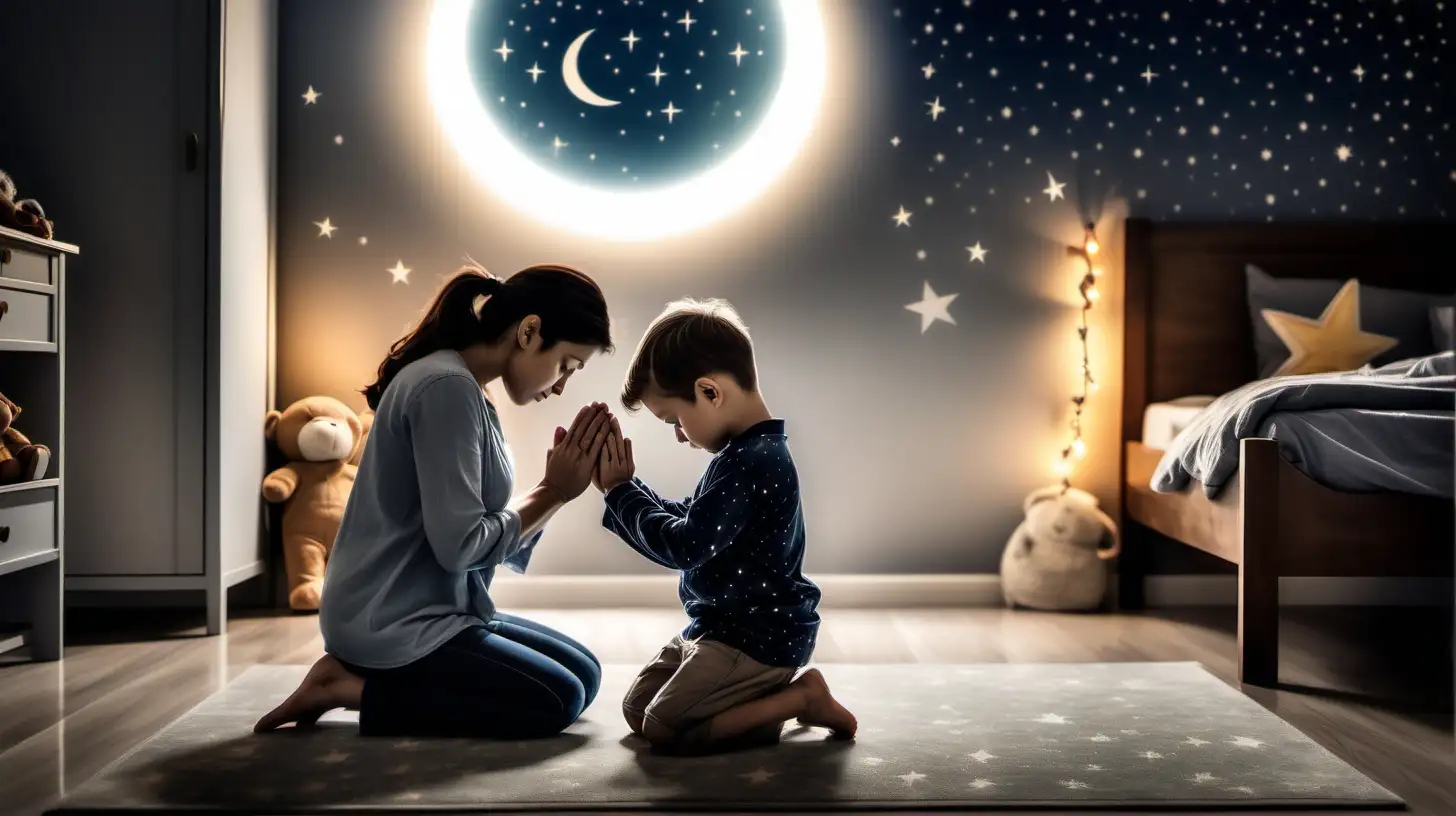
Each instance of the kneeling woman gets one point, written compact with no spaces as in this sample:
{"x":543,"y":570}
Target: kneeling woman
{"x":413,"y":640}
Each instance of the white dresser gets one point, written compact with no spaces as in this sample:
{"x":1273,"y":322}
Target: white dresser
{"x":154,"y":151}
{"x":32,"y":375}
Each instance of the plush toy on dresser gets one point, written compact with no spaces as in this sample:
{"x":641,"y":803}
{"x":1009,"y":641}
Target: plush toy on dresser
{"x":20,"y":461}
{"x":25,"y":215}
{"x":1055,"y":558}
{"x":322,"y":438}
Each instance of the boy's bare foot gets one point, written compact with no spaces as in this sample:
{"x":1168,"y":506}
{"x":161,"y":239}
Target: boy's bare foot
{"x":822,"y":709}
{"x":327,"y":686}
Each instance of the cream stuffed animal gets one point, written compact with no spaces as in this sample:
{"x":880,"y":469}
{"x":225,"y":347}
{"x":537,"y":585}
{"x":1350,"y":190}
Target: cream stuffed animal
{"x":1055,"y":557}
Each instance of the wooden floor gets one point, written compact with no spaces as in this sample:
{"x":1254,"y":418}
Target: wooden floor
{"x":1374,"y":685}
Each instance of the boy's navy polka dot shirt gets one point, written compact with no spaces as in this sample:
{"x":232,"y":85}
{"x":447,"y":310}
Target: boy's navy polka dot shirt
{"x":738,"y":542}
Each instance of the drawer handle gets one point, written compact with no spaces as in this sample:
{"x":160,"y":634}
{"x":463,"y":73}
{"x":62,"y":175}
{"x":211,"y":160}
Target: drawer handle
{"x":4,"y":307}
{"x":4,"y":534}
{"x":6,"y":256}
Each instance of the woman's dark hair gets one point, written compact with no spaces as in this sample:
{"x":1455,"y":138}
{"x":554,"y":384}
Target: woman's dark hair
{"x":570,"y":305}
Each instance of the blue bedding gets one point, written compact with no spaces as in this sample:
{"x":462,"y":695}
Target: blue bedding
{"x":1390,"y":428}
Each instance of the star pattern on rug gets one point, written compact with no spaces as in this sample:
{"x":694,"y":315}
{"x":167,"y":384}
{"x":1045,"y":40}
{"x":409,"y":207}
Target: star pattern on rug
{"x":758,"y":776}
{"x":981,"y":784}
{"x":1055,"y":741}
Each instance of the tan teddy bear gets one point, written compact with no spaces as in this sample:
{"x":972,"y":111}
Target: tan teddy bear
{"x":1055,"y":557}
{"x":20,"y":460}
{"x":321,"y":437}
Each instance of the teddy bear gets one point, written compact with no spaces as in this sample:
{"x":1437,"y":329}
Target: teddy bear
{"x":1055,"y":558}
{"x":322,"y":438}
{"x":20,"y":461}
{"x":25,"y":215}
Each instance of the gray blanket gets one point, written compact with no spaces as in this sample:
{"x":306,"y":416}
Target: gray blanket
{"x":1390,"y":428}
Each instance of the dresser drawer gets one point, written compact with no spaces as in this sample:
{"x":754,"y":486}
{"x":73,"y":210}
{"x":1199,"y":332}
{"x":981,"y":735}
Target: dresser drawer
{"x":26,"y":316}
{"x":27,"y":522}
{"x":22,"y":264}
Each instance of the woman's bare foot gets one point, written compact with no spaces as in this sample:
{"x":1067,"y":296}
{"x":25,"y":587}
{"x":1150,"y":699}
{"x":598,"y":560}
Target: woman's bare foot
{"x":822,"y":709}
{"x":327,"y":686}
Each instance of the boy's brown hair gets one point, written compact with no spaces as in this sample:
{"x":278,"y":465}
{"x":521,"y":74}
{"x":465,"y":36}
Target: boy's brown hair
{"x":690,"y":339}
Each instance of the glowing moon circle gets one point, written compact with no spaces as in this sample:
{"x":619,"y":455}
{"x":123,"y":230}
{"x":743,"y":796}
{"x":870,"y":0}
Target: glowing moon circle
{"x":571,"y":73}
{"x":631,"y":215}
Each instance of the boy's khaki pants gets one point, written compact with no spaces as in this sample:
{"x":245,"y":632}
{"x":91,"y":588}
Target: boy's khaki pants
{"x":691,"y":682}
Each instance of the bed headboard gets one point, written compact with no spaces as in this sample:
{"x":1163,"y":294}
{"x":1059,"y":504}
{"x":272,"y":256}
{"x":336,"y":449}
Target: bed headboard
{"x":1186,"y":325}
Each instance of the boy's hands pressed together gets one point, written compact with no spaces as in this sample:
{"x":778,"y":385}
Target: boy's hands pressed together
{"x":616,"y":464}
{"x":572,"y":460}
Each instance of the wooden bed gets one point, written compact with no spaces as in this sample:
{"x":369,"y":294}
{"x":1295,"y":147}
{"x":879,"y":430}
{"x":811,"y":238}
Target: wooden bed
{"x":1187,"y":332}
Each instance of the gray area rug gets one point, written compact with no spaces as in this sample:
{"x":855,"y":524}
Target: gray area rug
{"x":1070,"y":735}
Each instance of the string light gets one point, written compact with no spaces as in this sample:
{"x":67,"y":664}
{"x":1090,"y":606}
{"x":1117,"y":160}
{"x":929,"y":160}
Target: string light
{"x":1077,"y":447}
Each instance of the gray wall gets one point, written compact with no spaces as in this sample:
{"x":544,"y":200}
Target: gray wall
{"x":915,"y":448}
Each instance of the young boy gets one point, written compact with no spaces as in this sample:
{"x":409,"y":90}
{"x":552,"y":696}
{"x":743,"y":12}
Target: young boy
{"x":738,"y":541}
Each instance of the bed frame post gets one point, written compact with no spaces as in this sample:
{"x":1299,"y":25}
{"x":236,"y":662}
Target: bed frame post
{"x":1258,"y":562}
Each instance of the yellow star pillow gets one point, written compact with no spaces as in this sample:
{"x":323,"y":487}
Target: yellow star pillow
{"x":1333,"y":341}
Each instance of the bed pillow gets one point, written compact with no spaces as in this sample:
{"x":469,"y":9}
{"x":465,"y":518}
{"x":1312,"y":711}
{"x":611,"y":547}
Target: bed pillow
{"x":1443,"y":327}
{"x":1405,"y":316}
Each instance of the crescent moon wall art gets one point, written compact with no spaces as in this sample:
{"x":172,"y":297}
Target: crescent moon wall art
{"x":571,"y":74}
{"x":659,"y":122}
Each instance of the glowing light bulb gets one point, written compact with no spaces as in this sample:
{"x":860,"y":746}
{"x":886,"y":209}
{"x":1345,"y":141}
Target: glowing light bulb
{"x":1079,"y":448}
{"x":1062,"y":466}
{"x":1096,"y":271}
{"x":1092,"y":386}
{"x":1093,"y":294}
{"x":1092,"y":245}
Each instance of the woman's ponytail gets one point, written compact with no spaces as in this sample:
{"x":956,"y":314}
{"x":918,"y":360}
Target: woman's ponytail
{"x":450,"y":322}
{"x":569,"y":304}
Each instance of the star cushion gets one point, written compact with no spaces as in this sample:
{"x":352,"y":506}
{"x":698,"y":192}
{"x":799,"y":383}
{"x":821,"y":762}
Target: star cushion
{"x":1331,"y":342}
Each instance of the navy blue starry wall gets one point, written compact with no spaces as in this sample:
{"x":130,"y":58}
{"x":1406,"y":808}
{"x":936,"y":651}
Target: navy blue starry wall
{"x":905,"y":278}
{"x":1251,"y":110}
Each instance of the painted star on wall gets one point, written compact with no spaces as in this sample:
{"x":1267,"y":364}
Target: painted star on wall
{"x":310,"y":97}
{"x":1054,"y":188}
{"x":932,"y":307}
{"x":326,"y":228}
{"x":400,"y":272}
